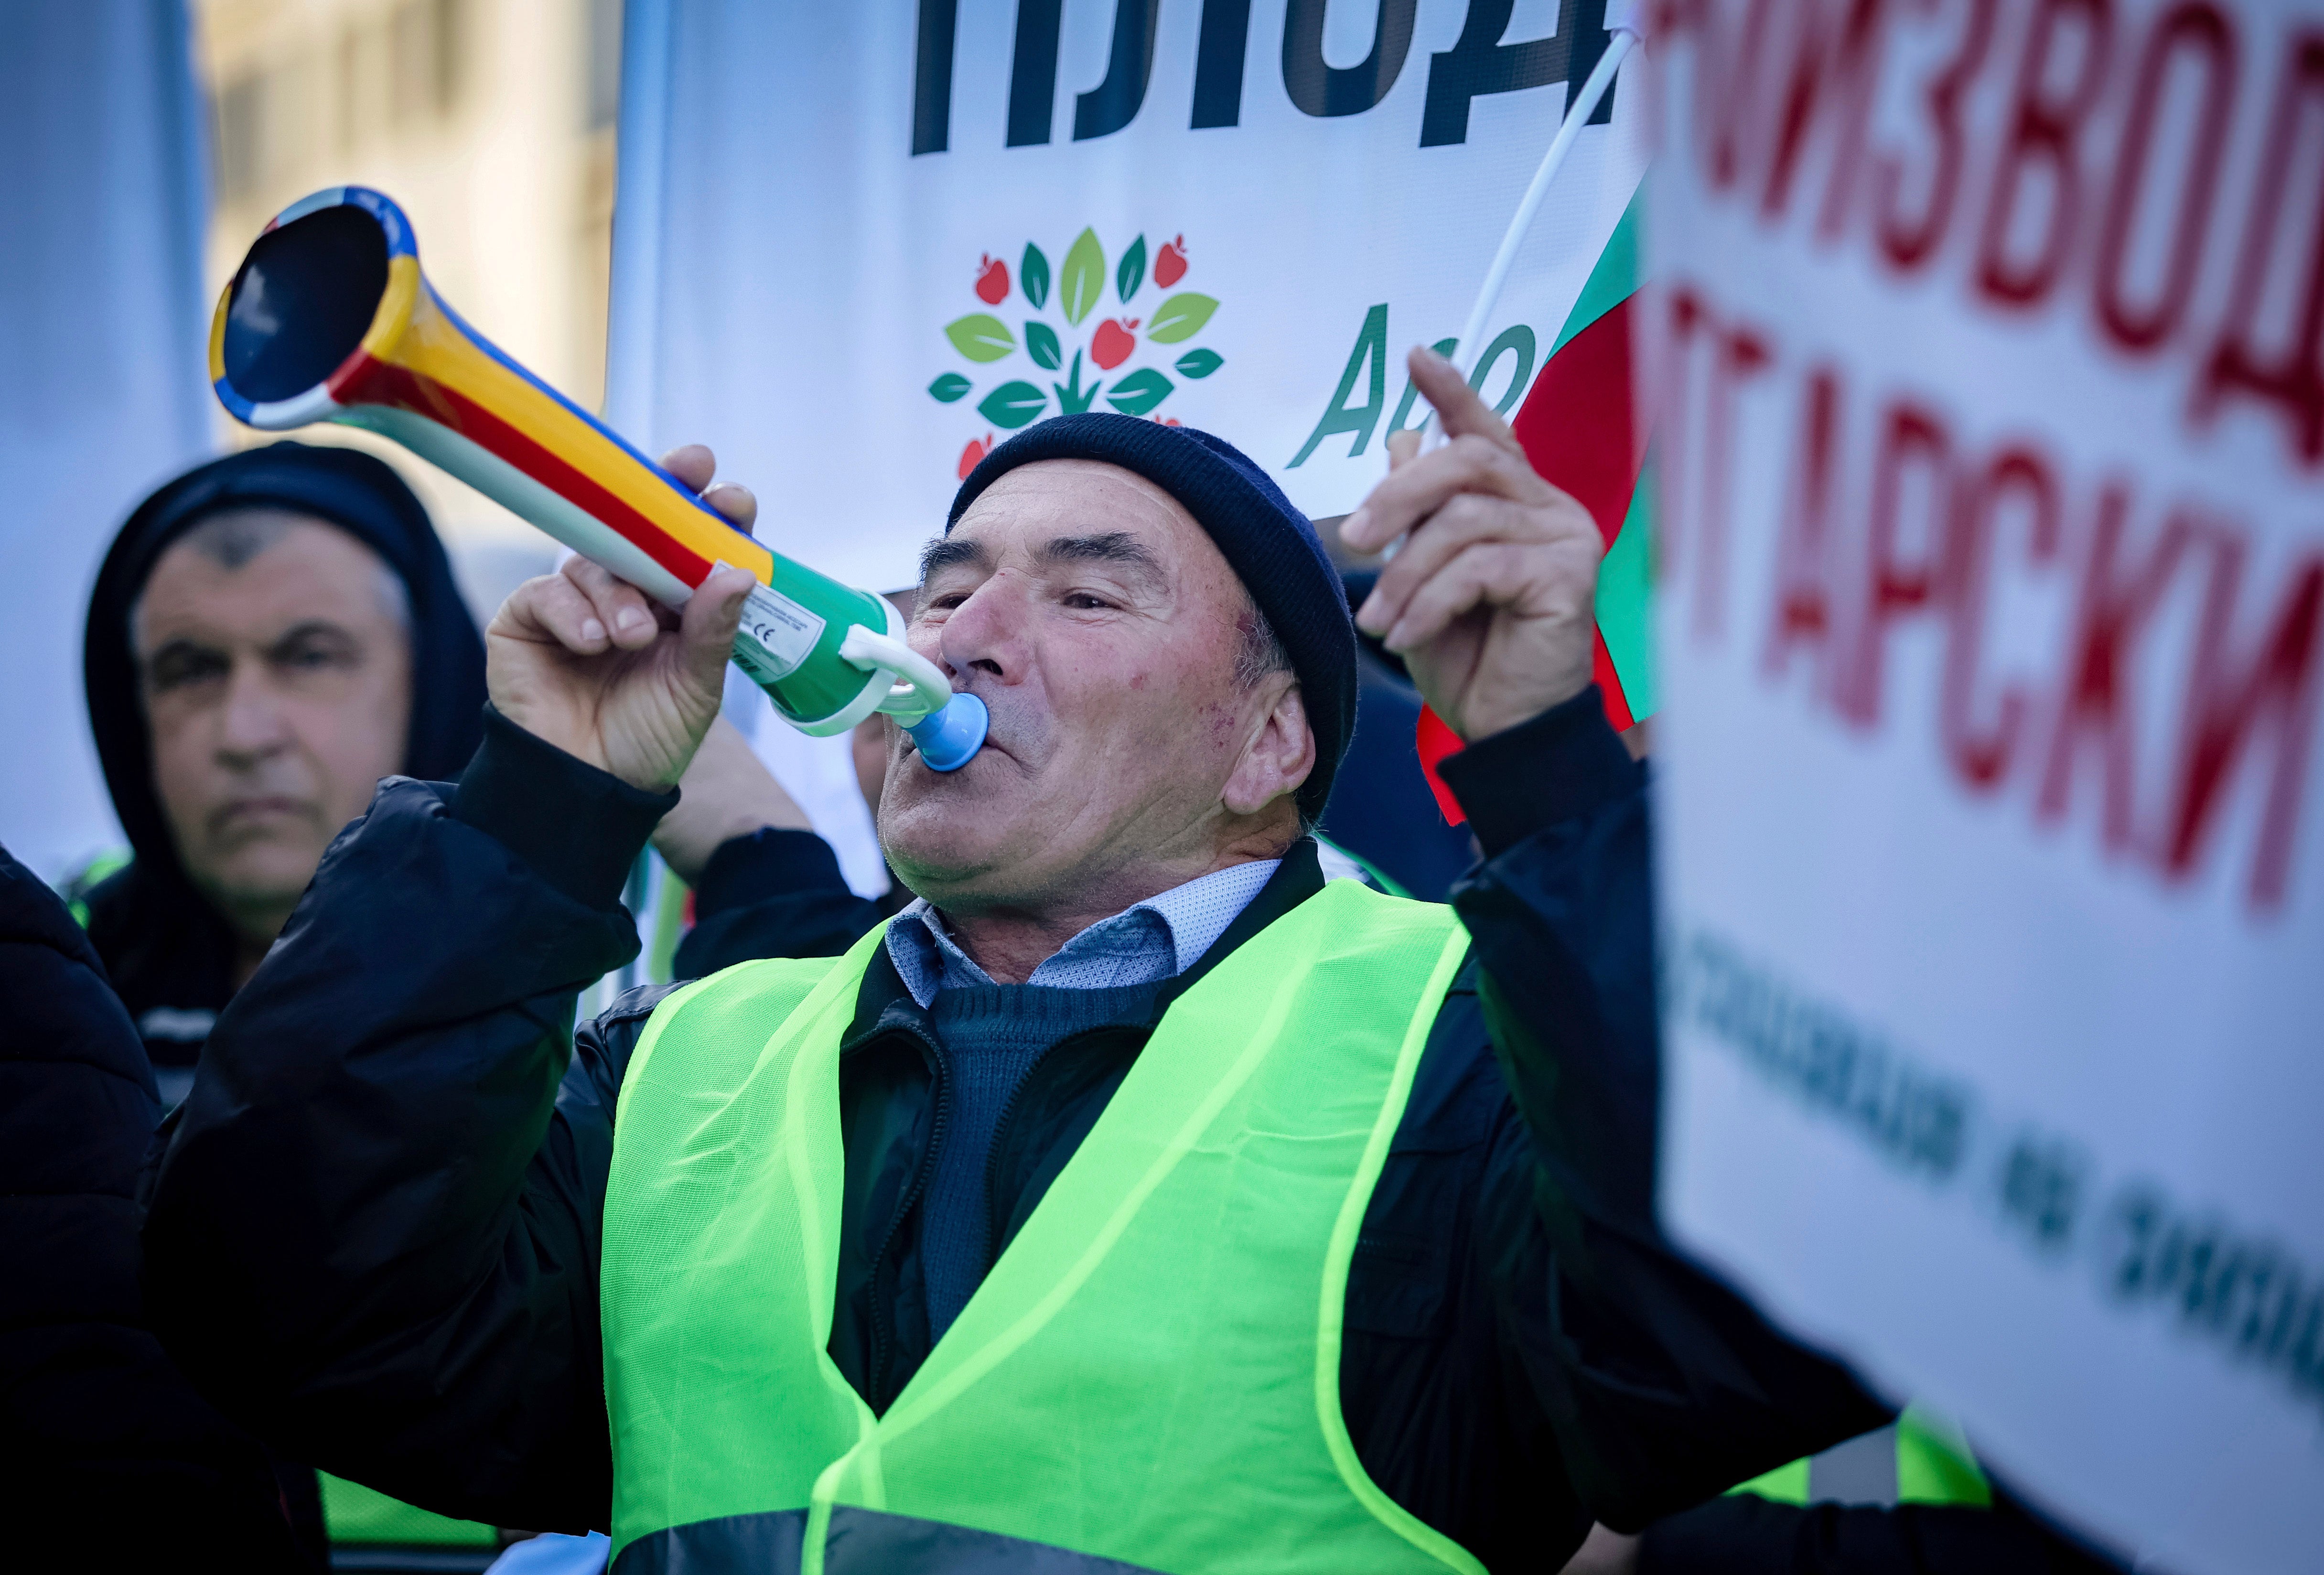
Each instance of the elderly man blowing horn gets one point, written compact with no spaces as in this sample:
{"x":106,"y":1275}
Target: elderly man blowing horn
{"x":1135,"y":1200}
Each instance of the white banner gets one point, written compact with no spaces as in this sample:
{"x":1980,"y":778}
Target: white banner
{"x":855,"y":244}
{"x":855,"y":240}
{"x":102,"y":326}
{"x":1992,"y":409}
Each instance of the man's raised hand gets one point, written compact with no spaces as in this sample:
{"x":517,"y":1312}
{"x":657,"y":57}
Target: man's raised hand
{"x":1491,"y":601}
{"x":591,"y":664}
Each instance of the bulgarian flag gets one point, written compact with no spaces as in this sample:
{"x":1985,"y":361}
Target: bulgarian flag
{"x":1580,"y":428}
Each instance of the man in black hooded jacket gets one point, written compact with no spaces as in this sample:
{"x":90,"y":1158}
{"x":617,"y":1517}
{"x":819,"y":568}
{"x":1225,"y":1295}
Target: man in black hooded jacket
{"x":270,"y":633}
{"x":277,"y":709}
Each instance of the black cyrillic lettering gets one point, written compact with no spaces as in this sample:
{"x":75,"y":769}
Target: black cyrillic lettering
{"x":1113,"y":103}
{"x":1218,"y":63}
{"x":1478,"y":63}
{"x":2133,"y":1223}
{"x":1325,"y":91}
{"x":1033,"y":72}
{"x":931,"y":77}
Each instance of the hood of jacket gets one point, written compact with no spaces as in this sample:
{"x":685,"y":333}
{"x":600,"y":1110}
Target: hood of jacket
{"x":163,"y":945}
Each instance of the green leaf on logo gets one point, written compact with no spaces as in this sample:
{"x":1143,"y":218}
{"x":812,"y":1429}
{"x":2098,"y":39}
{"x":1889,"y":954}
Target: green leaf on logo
{"x":980,"y":337}
{"x":1041,"y":345}
{"x":1012,"y":404}
{"x":949,"y":387}
{"x":1132,"y":271}
{"x":1033,"y":276}
{"x":1139,"y":392}
{"x":1200,"y":362}
{"x":1180,"y":317}
{"x":1074,"y":400}
{"x":1083,"y":279}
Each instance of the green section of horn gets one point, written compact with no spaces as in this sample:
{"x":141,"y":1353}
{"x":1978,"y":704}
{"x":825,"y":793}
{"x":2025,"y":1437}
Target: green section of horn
{"x":825,"y":694}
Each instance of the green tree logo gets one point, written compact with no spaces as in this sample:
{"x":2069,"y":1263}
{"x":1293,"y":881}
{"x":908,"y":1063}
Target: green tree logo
{"x":1114,"y":344}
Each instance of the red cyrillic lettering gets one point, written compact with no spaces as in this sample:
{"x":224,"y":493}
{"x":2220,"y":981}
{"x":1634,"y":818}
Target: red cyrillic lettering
{"x":2226,"y":708}
{"x":2198,"y":30}
{"x":1803,"y":610}
{"x":1852,"y":61}
{"x":1894,"y":585}
{"x":1674,"y":431}
{"x":1673,"y":396}
{"x":1741,"y":354}
{"x":1725,"y":84}
{"x":1696,"y":487}
{"x":1907,"y":243}
{"x":2044,"y":130}
{"x":1982,"y":759}
{"x":2110,"y":615}
{"x":2292,"y":380}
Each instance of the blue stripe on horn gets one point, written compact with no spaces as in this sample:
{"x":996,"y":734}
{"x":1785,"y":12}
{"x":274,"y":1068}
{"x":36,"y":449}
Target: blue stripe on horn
{"x":401,"y":241}
{"x":236,"y":406}
{"x":615,"y":438}
{"x":313,"y":202}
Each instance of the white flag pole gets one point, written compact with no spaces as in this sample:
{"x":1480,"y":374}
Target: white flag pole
{"x":1622,"y":23}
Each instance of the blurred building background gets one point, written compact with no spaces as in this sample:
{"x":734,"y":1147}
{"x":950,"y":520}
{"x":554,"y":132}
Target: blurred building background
{"x":492,"y":123}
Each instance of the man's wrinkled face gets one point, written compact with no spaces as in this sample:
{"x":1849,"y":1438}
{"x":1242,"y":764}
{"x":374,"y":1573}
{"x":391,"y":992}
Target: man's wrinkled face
{"x":275,"y":667}
{"x":1102,"y":627}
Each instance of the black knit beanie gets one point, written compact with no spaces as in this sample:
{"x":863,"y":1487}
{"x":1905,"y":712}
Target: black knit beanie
{"x":1266,"y":541}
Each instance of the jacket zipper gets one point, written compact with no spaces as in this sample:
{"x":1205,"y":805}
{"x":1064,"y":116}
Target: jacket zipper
{"x":1171,"y":989}
{"x":993,"y":1222}
{"x":883,"y":1335}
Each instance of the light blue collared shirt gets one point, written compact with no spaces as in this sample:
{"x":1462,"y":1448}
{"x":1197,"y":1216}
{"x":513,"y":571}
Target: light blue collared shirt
{"x":1157,"y":939}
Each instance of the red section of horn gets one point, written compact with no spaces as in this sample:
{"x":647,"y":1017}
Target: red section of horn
{"x":366,"y":381}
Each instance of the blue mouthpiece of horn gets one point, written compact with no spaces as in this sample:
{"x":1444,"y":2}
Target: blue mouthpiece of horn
{"x":949,"y":738}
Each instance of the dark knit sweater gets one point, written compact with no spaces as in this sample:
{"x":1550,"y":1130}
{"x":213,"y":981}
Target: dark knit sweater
{"x":993,"y":1034}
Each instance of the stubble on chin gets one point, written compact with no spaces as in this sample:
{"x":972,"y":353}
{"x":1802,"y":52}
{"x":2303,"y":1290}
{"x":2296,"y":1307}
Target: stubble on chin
{"x":247,"y":861}
{"x":934,"y":848}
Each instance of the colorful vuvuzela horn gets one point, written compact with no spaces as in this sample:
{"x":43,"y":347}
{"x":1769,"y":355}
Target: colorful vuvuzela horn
{"x":329,"y":319}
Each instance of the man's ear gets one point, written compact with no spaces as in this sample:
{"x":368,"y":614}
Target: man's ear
{"x":1278,"y":757}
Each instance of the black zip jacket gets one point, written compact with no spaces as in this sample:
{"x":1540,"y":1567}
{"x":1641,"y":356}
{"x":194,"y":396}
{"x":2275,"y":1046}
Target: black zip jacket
{"x":108,"y":1459}
{"x":374,"y":1235}
{"x":169,"y":953}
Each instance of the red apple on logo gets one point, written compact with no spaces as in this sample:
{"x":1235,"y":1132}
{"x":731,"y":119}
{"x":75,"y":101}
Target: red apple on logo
{"x":1170,"y":263}
{"x":992,"y":279}
{"x":976,"y":450}
{"x":1112,"y":344}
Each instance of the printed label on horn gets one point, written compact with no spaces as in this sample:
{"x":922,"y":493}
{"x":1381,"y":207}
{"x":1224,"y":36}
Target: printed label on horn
{"x":776,"y":636}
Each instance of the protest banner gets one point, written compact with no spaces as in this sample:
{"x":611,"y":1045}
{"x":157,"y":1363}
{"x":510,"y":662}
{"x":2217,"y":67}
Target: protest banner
{"x":1990,"y":414}
{"x":858,"y":245}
